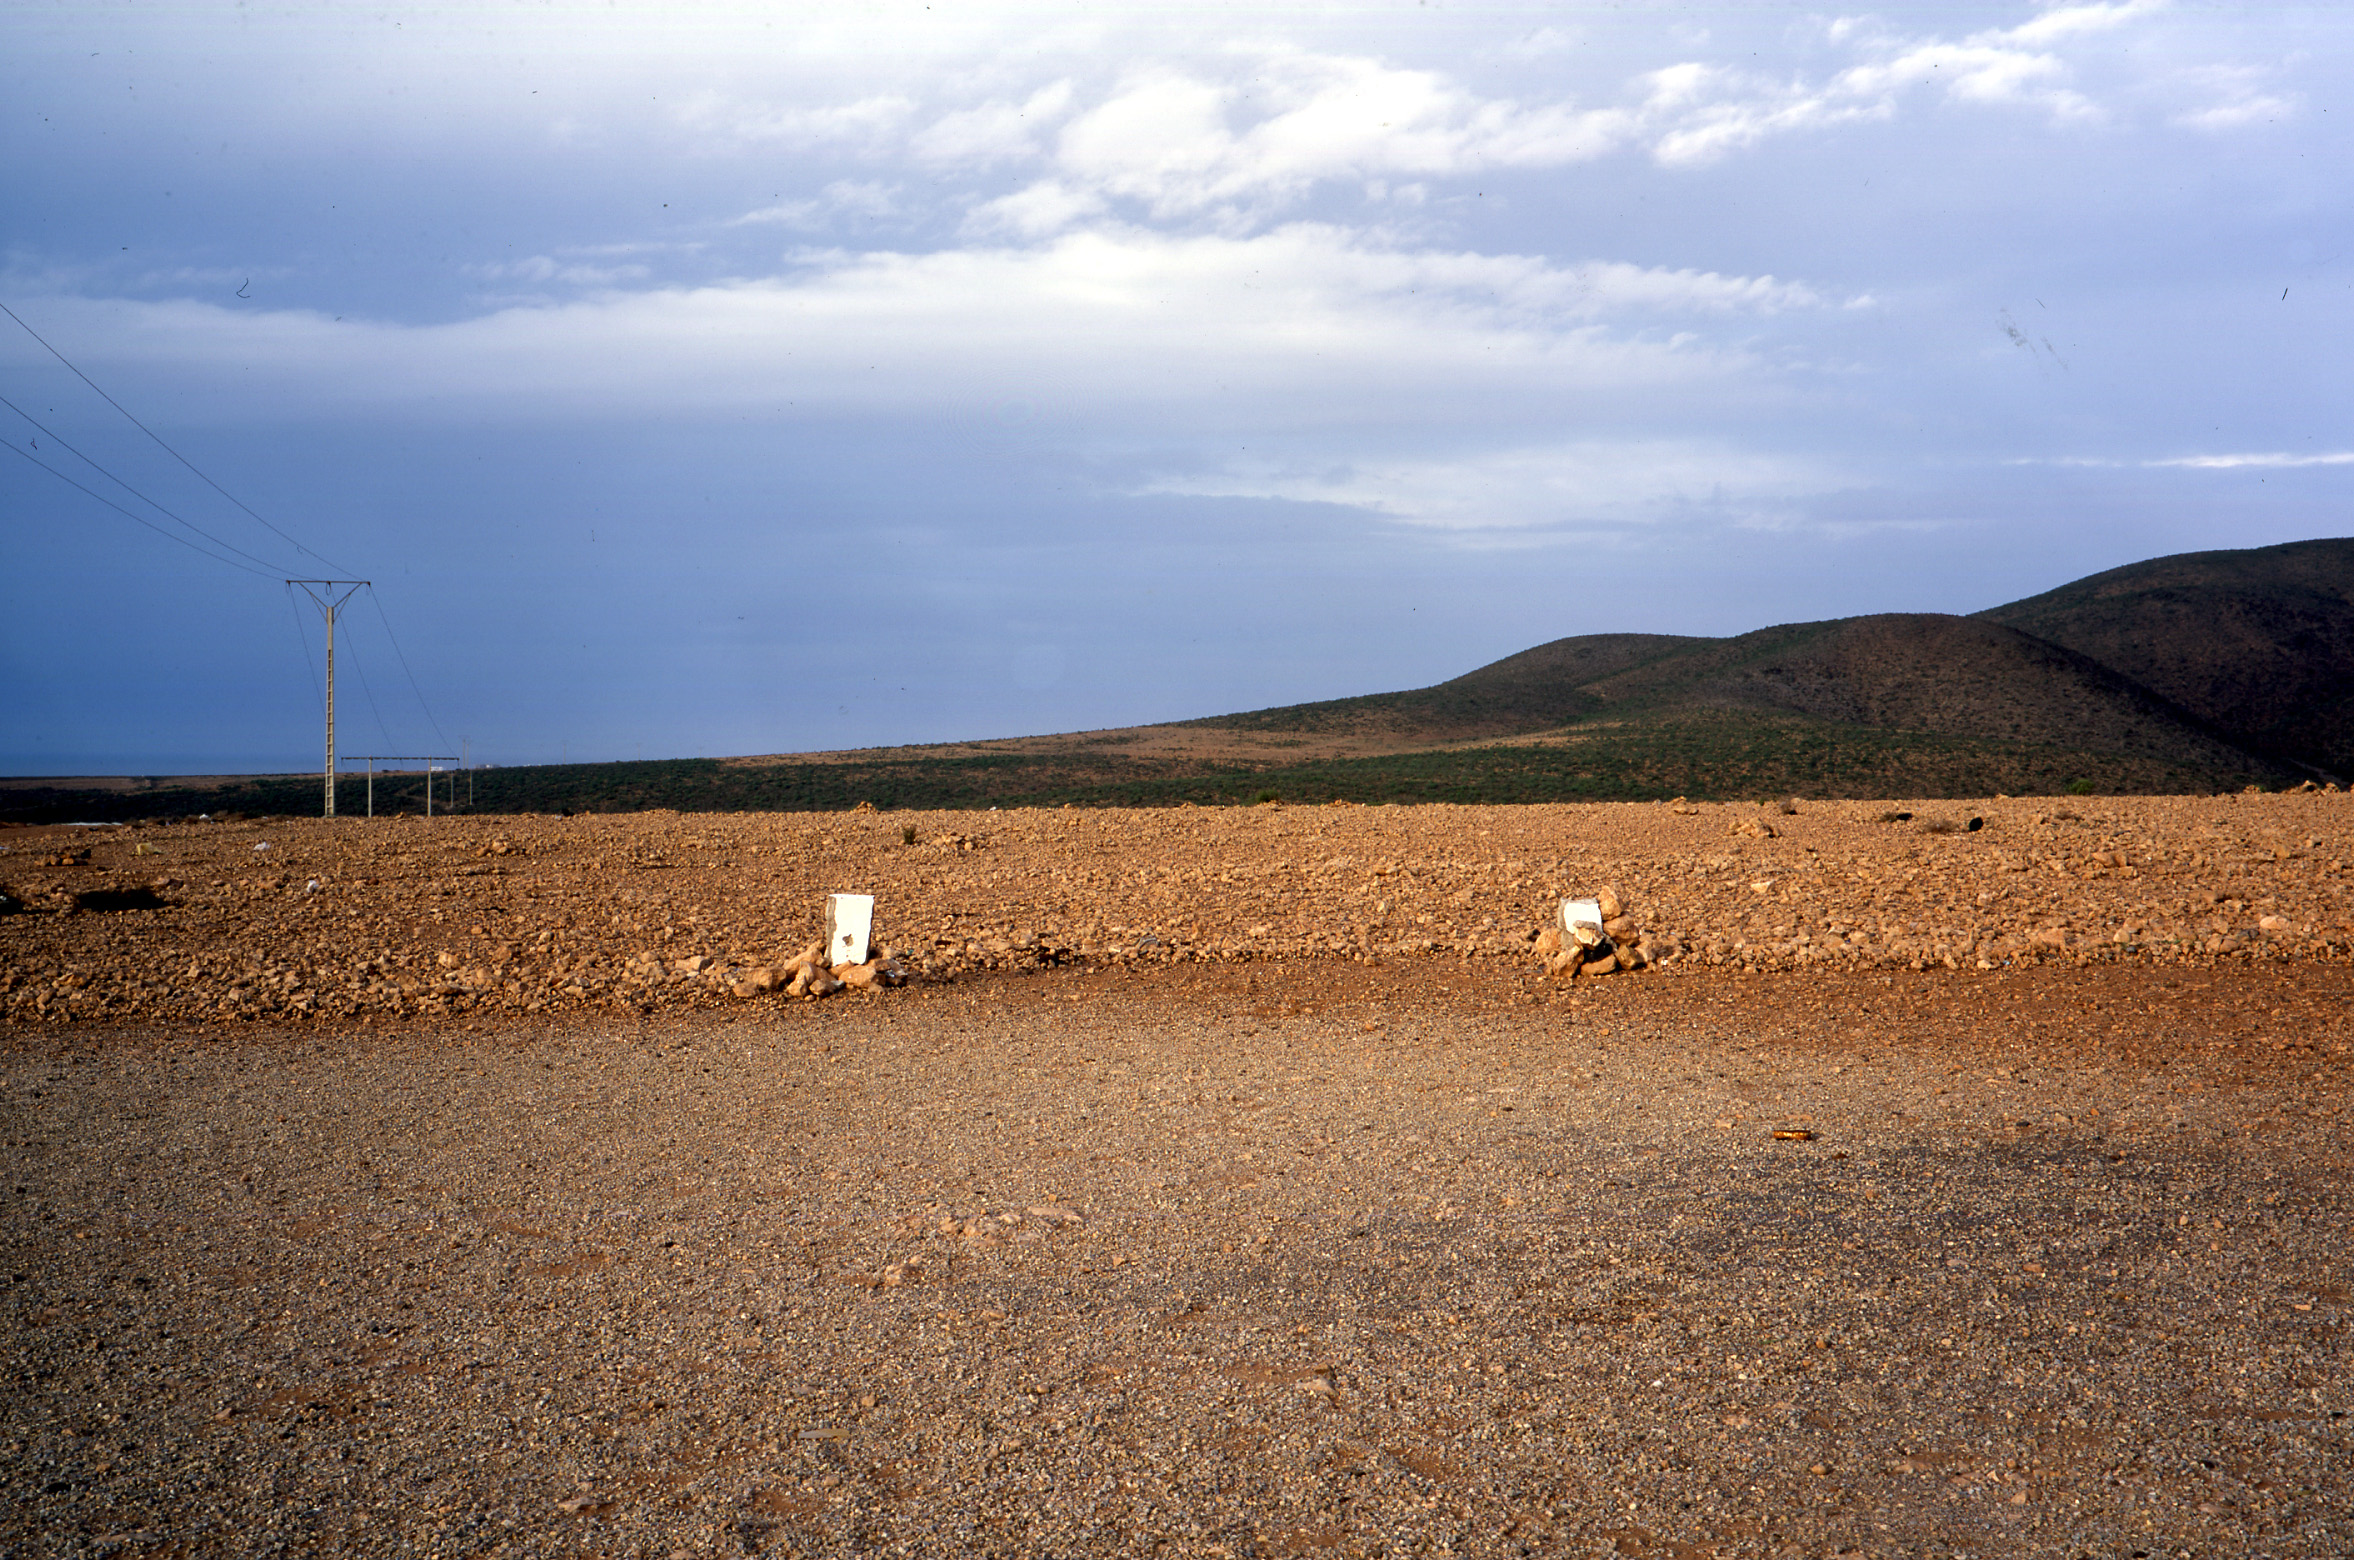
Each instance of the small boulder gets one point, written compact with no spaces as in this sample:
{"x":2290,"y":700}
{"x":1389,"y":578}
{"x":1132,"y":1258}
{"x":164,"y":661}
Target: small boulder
{"x":757,"y":983}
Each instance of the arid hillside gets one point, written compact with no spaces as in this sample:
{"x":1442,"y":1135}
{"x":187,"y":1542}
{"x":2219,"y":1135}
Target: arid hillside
{"x":2206,"y":672}
{"x":2259,"y":643}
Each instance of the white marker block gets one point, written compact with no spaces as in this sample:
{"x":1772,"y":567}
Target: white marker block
{"x":850,"y":922}
{"x":1581,"y":912}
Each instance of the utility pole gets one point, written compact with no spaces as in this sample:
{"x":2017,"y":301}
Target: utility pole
{"x":322,"y":592}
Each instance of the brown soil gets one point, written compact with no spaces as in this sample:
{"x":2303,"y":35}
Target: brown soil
{"x":308,"y":919}
{"x":1257,"y":1246}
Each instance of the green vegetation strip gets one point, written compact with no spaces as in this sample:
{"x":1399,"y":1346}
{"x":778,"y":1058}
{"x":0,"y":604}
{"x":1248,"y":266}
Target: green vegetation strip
{"x":1723,"y":758}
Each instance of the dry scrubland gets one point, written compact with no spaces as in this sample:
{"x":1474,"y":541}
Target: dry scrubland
{"x":1226,"y":1183}
{"x":294,"y":919}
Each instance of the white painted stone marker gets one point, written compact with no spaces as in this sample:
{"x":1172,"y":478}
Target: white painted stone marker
{"x":1586,"y":913}
{"x":850,"y":922}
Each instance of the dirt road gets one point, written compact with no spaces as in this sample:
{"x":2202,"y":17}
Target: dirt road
{"x":1299,"y":1256}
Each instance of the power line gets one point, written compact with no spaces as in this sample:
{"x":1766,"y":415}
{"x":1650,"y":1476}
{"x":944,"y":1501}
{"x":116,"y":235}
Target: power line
{"x":158,"y":438}
{"x":304,"y":635}
{"x":369,"y":689}
{"x":328,"y":692}
{"x":404,"y":660}
{"x":126,"y":514}
{"x":59,"y":440}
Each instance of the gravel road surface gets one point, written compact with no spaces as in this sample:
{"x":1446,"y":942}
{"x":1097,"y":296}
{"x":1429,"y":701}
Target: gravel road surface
{"x":1298,"y":1256}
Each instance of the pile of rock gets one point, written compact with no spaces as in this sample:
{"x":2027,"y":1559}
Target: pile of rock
{"x":806,"y":974}
{"x":1617,"y":941}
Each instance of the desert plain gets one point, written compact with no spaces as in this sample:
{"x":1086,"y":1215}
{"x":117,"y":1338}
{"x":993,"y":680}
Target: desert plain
{"x":1221,"y":1182}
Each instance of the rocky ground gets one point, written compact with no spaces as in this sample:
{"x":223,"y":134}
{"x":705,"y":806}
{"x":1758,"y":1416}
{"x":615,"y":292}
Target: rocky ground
{"x":291,"y":920}
{"x":1323,"y":1223}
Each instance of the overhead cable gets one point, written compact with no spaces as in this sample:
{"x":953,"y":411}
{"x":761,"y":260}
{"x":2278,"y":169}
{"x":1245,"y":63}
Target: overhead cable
{"x":352,"y":648}
{"x":304,"y":634}
{"x":61,"y":442}
{"x":167,"y":449}
{"x":264,"y":574}
{"x":404,"y":660}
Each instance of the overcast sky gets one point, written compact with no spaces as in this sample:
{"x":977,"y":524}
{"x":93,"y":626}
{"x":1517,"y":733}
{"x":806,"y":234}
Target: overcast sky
{"x":739,"y":379}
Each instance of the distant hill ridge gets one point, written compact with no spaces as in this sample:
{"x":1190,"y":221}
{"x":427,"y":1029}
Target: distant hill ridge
{"x":2259,"y":642}
{"x":2218,"y":660}
{"x":2201,"y":671}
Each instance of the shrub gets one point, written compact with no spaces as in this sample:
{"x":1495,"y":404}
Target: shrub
{"x":2080,"y":788}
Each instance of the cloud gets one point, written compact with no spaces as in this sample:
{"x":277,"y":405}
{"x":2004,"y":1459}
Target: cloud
{"x":868,"y":123}
{"x":1243,"y":145}
{"x":1697,"y":113}
{"x":1238,"y":136}
{"x":1308,"y":324}
{"x":997,"y":131}
{"x":2076,"y":21}
{"x":2274,"y":460}
{"x":2232,"y":97}
{"x":1576,"y":486}
{"x":1039,"y":211}
{"x":1181,"y":144}
{"x":543,"y":269}
{"x":842,"y":198}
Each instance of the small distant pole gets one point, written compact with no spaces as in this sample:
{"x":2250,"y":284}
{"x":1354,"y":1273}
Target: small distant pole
{"x":429,"y":760}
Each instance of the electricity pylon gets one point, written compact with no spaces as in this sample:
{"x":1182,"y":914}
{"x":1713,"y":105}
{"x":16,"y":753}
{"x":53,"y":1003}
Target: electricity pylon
{"x":324,"y":595}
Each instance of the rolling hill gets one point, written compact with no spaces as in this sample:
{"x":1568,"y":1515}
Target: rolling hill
{"x":2259,"y":643}
{"x":2203,"y":671}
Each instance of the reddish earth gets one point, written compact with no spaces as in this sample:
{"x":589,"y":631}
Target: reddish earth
{"x":1328,"y":1226}
{"x":316,"y":920}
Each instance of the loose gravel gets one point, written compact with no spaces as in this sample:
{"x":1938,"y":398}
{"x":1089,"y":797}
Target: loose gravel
{"x":1295,"y":1256}
{"x":290,"y":921}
